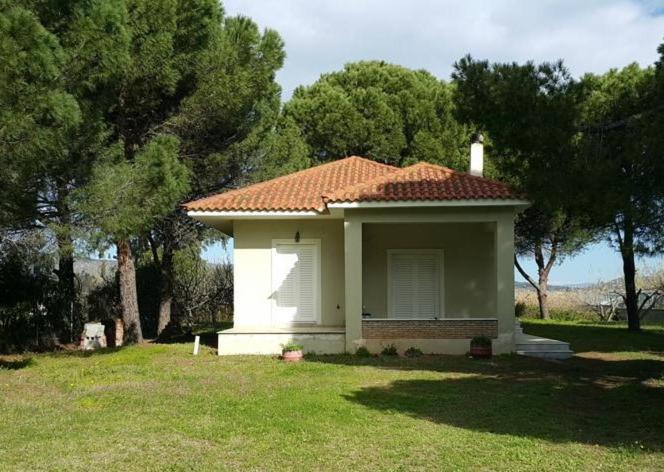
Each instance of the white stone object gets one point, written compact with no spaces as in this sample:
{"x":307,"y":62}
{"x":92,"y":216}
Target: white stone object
{"x":197,"y":345}
{"x":93,"y":336}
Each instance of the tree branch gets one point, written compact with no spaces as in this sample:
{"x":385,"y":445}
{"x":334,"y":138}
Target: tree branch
{"x":153,"y":248}
{"x":552,"y":254}
{"x":525,"y":274}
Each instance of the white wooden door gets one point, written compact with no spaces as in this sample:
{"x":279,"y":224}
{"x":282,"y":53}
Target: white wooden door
{"x":415,"y":281}
{"x":295,"y":282}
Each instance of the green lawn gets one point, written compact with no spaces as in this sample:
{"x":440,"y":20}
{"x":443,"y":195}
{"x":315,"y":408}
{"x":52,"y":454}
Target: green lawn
{"x":156,"y":407}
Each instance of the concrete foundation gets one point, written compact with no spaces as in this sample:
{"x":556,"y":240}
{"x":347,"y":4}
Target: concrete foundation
{"x":269,"y":341}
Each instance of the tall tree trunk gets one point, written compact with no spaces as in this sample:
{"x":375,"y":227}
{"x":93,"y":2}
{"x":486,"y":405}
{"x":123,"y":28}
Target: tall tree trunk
{"x":128,"y":294}
{"x":629,"y":273}
{"x":67,"y":286}
{"x":66,"y":275}
{"x":543,"y":270}
{"x":543,"y":297}
{"x":166,"y":293}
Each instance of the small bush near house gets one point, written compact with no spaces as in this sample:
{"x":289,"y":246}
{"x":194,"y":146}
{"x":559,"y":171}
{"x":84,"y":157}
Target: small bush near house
{"x":519,"y":309}
{"x":290,"y":347}
{"x":480,"y":341}
{"x":390,"y":350}
{"x":362,"y":352}
{"x":413,"y":352}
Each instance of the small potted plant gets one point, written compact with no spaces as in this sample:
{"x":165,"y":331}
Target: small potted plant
{"x":480,"y":347}
{"x":291,"y":352}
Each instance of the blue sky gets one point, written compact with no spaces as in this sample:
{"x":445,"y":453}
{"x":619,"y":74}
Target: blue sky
{"x":589,"y":35}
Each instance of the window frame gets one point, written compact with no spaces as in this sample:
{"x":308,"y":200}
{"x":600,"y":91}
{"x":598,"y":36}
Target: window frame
{"x":441,"y":280}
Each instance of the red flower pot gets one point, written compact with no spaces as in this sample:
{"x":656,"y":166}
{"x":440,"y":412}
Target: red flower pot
{"x":292,"y":356}
{"x":480,"y":352}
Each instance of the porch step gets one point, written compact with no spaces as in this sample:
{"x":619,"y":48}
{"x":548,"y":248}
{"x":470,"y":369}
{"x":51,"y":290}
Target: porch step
{"x":558,"y":354}
{"x":544,"y":348}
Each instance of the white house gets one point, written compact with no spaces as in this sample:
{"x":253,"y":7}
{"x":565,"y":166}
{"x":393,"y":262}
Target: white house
{"x":357,"y":253}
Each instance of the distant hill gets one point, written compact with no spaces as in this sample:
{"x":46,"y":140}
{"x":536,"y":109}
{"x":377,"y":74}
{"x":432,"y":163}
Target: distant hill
{"x":552,"y":288}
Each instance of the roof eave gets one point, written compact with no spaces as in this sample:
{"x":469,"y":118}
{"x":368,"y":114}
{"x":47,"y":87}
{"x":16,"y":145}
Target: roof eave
{"x":231,"y":214}
{"x":476,"y":202}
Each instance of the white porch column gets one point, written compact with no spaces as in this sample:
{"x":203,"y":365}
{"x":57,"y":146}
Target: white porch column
{"x":353,"y":281}
{"x":505,"y":277}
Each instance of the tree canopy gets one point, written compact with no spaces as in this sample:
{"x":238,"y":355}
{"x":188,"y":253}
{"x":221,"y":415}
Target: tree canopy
{"x":116,"y":111}
{"x":37,"y":113}
{"x":385,"y":112}
{"x":531,"y":115}
{"x":624,"y":166}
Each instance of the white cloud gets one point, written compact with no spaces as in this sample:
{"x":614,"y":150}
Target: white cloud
{"x":590,"y":35}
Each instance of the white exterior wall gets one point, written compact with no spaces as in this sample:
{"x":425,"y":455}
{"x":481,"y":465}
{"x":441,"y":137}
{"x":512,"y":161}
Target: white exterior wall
{"x":488,"y":272}
{"x":252,"y":265}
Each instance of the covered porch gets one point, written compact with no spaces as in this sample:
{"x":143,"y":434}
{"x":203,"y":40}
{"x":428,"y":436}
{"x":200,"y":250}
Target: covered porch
{"x":429,"y":278}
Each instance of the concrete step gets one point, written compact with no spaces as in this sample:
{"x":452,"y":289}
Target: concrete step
{"x":544,"y":348}
{"x":559,"y":354}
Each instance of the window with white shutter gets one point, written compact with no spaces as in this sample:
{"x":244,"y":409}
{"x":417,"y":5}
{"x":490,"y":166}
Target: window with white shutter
{"x":295,"y":282}
{"x":415,"y":283}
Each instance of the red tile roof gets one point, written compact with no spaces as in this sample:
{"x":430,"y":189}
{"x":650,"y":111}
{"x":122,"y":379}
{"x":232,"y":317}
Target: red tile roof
{"x":300,"y":191}
{"x":354,"y":179}
{"x":422,"y":182}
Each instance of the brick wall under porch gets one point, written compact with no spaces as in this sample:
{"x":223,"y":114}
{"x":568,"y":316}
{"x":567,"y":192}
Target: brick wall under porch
{"x":458,"y":328}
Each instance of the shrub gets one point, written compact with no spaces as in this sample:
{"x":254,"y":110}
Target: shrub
{"x":480,"y":341}
{"x":573,"y":315}
{"x":289,"y":347}
{"x":519,"y":309}
{"x":413,"y":352}
{"x":390,"y":350}
{"x":362,"y":352}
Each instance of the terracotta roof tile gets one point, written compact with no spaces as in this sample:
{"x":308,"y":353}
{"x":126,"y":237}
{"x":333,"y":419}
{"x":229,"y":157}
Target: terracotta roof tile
{"x":300,"y":191}
{"x":354,"y":179}
{"x":422,"y":182}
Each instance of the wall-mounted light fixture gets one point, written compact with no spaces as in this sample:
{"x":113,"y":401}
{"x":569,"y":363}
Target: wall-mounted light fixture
{"x":297,"y":236}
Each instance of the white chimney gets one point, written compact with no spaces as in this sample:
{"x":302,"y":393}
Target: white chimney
{"x":477,"y":156}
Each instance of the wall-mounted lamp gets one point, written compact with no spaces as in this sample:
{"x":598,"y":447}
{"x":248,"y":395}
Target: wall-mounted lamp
{"x":297,"y":236}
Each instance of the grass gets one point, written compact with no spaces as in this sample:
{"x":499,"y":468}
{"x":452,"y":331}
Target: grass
{"x":156,"y":407}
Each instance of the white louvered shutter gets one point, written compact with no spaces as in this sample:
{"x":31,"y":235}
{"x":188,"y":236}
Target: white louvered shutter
{"x":306,"y":310}
{"x":415,"y":285}
{"x":294,"y":282}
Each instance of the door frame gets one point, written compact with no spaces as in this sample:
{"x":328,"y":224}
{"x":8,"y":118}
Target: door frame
{"x":441,"y":278}
{"x":317,"y":285}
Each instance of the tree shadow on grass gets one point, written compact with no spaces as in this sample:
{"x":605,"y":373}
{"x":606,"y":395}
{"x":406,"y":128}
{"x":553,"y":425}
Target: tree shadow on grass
{"x":208,"y":335}
{"x":618,"y":403}
{"x":612,"y":395}
{"x":91,"y":353}
{"x":16,"y":364}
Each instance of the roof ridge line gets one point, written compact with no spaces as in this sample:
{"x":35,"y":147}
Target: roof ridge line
{"x":259,"y":185}
{"x":255,"y":187}
{"x":454,"y":171}
{"x":405,"y":170}
{"x":399,"y":170}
